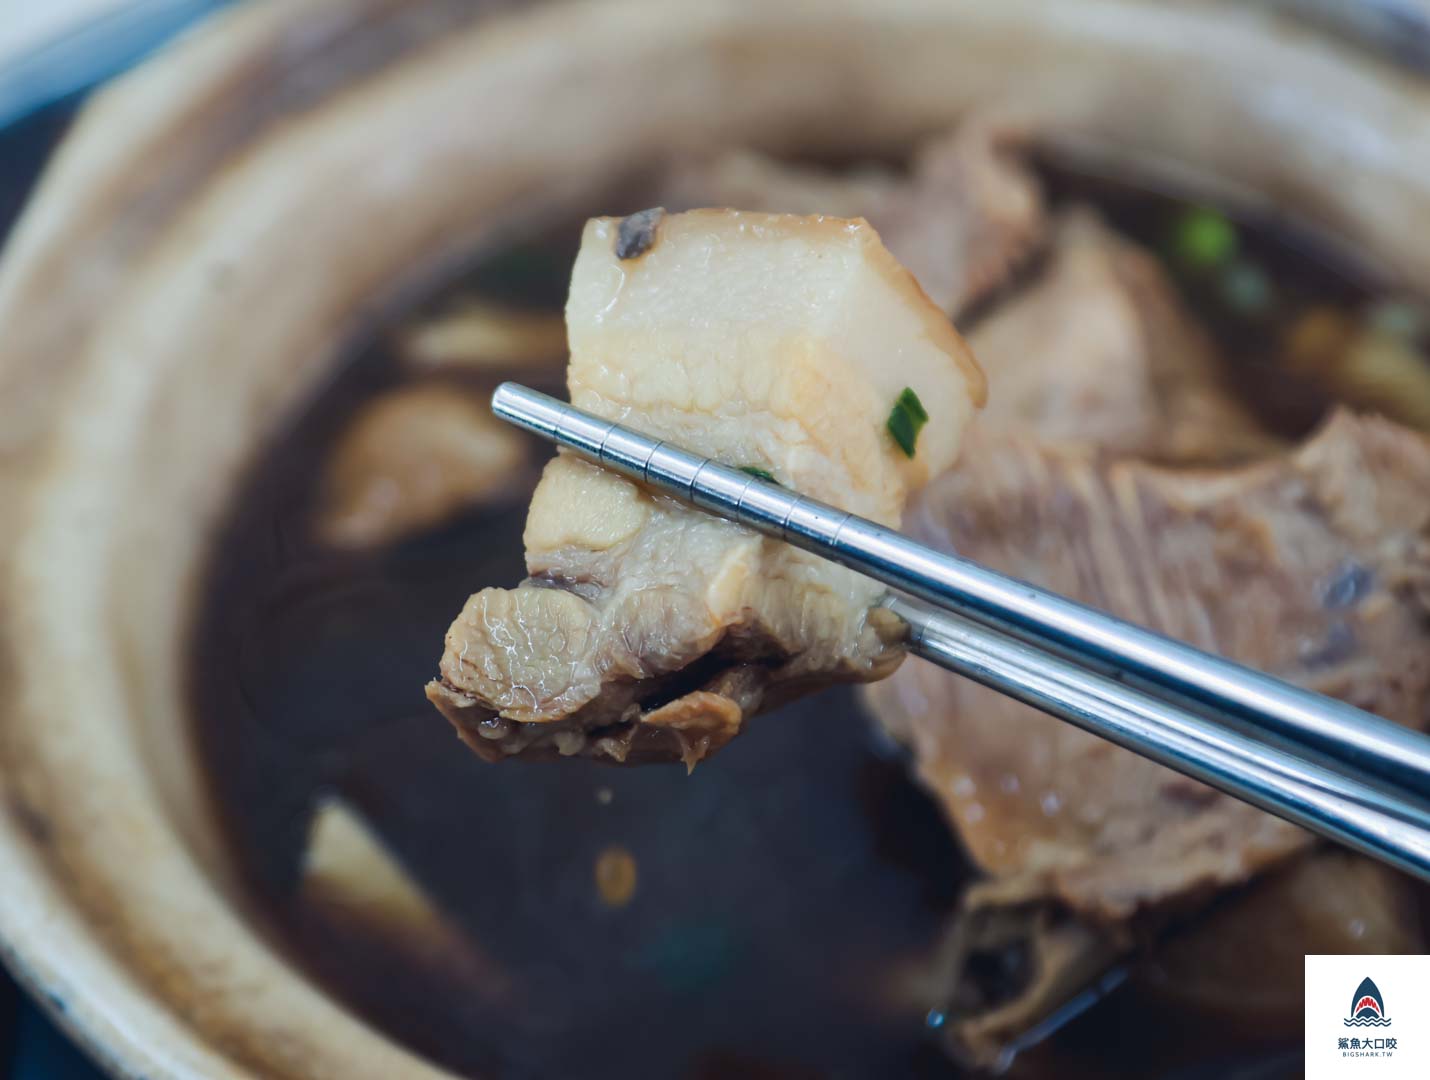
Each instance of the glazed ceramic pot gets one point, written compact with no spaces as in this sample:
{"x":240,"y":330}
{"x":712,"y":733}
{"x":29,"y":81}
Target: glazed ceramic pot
{"x":221,"y":223}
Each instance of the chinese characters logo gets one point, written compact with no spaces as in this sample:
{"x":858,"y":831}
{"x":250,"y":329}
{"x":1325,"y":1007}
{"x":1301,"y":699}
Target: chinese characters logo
{"x":1367,"y":1010}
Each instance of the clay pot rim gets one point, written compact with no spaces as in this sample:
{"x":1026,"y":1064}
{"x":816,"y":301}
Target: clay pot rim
{"x":179,"y":982}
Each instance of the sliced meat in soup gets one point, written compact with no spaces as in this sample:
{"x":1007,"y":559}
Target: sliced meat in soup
{"x":1314,"y":566}
{"x":1099,"y":350}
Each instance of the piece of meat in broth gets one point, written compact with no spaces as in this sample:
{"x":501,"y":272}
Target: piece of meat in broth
{"x":1098,"y":349}
{"x":1243,"y":963}
{"x":413,"y":459}
{"x":967,"y":213}
{"x":651,"y":631}
{"x":1314,"y":566}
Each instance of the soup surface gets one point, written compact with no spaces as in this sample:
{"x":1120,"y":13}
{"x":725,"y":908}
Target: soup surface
{"x":781,"y":911}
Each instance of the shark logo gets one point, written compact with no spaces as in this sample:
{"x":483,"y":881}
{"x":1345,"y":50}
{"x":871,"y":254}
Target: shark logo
{"x":1367,"y":1007}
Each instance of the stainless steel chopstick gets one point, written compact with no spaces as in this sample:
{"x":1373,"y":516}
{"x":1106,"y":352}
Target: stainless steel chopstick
{"x":1115,"y":647}
{"x":1338,"y":806}
{"x":1355,"y":747}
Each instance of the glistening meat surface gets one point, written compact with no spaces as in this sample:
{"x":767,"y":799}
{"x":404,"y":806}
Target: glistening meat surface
{"x":651,"y":631}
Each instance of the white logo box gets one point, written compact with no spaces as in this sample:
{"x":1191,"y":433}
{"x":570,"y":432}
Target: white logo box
{"x":1367,"y":1017}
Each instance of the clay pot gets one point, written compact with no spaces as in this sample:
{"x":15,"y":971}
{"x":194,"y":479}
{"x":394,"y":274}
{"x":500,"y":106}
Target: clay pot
{"x":219,"y":224}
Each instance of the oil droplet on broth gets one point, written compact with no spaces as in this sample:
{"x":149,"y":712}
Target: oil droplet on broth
{"x":616,"y":876}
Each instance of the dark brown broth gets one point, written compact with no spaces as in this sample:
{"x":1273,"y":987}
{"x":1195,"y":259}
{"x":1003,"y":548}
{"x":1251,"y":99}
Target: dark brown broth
{"x":787,"y":890}
{"x":780,"y":886}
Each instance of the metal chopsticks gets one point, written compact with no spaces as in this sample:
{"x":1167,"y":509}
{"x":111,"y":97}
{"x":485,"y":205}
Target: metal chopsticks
{"x":1334,"y":769}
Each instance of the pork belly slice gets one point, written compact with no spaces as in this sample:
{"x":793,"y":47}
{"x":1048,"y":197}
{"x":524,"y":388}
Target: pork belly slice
{"x":650,"y":631}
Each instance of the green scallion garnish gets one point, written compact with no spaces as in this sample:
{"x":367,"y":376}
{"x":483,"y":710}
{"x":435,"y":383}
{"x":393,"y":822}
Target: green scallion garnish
{"x":906,"y":419}
{"x":1203,"y":239}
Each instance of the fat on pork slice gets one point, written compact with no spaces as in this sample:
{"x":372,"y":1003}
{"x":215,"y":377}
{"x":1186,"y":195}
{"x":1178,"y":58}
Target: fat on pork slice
{"x":651,"y":631}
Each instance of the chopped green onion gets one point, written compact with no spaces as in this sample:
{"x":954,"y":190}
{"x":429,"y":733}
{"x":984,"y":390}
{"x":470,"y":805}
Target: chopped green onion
{"x":759,"y":473}
{"x":1203,"y":239}
{"x":906,"y":420}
